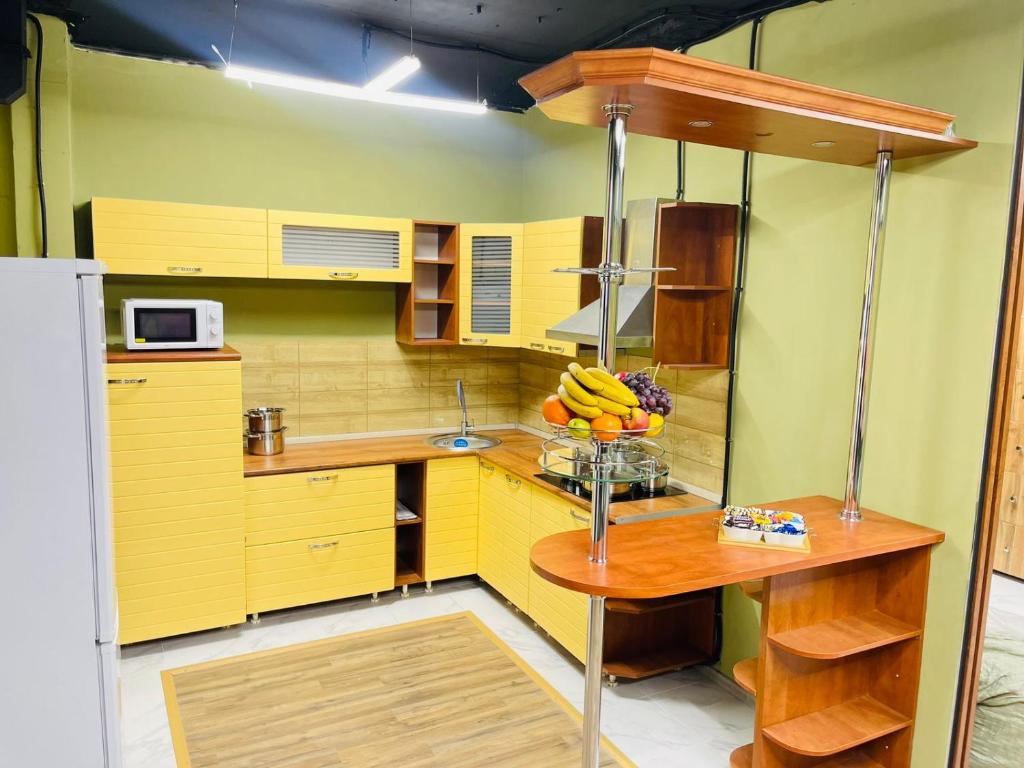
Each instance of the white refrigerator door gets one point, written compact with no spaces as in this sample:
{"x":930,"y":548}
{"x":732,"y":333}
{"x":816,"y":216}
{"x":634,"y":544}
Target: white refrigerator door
{"x":50,"y":708}
{"x":90,"y":290}
{"x":110,"y":698}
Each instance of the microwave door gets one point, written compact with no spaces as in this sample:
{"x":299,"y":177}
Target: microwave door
{"x":165,"y":327}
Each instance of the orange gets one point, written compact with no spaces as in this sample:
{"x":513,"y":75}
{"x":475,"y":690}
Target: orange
{"x":606,"y":427}
{"x":555,"y":412}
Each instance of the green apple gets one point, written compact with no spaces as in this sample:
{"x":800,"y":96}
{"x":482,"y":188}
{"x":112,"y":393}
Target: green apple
{"x":579,"y":428}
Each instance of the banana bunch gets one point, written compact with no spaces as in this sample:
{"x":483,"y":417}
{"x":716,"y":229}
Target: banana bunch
{"x":591,"y":392}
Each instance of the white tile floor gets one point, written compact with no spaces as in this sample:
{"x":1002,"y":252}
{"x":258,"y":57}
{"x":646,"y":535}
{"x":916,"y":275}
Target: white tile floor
{"x":690,"y":719}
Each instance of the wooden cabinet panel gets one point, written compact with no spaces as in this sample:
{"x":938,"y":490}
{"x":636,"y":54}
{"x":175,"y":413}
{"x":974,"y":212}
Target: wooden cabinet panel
{"x":143,"y":237}
{"x":452,"y":517}
{"x":314,"y":570}
{"x":550,"y":297}
{"x":305,"y":505}
{"x":177,"y":496}
{"x":337,"y":247}
{"x":490,"y":284}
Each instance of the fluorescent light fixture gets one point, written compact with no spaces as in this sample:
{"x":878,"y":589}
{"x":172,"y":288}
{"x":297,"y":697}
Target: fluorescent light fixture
{"x":394,"y":74}
{"x":344,"y":91}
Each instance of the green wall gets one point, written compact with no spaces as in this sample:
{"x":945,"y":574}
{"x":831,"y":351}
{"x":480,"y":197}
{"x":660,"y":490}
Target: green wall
{"x":8,"y":231}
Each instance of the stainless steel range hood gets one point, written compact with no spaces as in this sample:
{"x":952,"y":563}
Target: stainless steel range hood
{"x":636,"y":295}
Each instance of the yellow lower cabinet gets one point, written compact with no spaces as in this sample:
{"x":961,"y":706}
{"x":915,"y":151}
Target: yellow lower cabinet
{"x":304,"y":505}
{"x":315,"y":570}
{"x":179,"y":523}
{"x":560,"y":612}
{"x":451,"y":517}
{"x":505,"y":533}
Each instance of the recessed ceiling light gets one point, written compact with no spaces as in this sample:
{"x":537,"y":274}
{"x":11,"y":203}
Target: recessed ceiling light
{"x":701,"y":123}
{"x":823,"y":144}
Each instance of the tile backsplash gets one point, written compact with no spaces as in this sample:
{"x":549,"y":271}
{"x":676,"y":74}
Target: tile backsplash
{"x":350,"y":386}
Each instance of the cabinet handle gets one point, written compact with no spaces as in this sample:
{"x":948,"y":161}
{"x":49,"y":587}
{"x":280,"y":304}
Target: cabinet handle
{"x":343,"y":275}
{"x":553,"y":348}
{"x":321,"y":478}
{"x":513,"y":481}
{"x":127,"y":381}
{"x":536,"y":345}
{"x":470,"y":340}
{"x":580,"y":518}
{"x":486,"y":467}
{"x":184,"y":270}
{"x":322,"y":545}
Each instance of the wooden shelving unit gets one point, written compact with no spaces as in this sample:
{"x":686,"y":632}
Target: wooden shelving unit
{"x":845,"y":636}
{"x":693,"y":304}
{"x":427,"y":309}
{"x":648,"y":637}
{"x":838,"y":728}
{"x":410,"y":489}
{"x":745,"y":675}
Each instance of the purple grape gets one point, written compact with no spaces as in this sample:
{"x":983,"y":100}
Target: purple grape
{"x":659,"y":410}
{"x":651,"y":402}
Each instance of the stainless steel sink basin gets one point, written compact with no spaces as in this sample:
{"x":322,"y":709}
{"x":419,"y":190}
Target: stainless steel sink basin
{"x":460,"y":442}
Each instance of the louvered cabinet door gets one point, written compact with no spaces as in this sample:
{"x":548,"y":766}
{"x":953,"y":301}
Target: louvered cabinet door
{"x":490,"y":284}
{"x":327,"y":246}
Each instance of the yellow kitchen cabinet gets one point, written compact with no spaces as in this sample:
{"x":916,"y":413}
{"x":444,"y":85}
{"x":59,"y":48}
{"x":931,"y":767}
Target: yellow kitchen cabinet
{"x":490,"y":284}
{"x":560,"y":612}
{"x":314,"y":570}
{"x":504,"y":537}
{"x":549,"y":297}
{"x":330,"y":246}
{"x":176,"y":466}
{"x":305,"y":505}
{"x":148,"y":237}
{"x":451,"y":517}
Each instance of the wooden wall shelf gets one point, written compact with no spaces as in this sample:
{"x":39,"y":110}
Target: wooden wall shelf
{"x":674,"y":96}
{"x":845,"y":636}
{"x":837,"y":728}
{"x":693,"y":304}
{"x":427,"y":309}
{"x":745,"y":675}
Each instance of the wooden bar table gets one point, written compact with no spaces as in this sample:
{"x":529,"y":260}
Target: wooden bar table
{"x":842,"y":626}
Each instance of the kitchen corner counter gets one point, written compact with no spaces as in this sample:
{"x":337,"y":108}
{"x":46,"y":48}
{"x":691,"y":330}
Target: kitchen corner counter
{"x":518,"y":453}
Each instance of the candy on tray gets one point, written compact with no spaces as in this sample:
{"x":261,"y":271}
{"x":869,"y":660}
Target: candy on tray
{"x":776,"y":527}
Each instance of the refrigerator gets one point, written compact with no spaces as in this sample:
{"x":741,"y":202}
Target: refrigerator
{"x":59,"y":693}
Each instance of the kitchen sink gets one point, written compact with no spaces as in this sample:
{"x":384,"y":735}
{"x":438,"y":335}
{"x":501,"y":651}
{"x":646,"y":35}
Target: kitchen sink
{"x":460,"y":442}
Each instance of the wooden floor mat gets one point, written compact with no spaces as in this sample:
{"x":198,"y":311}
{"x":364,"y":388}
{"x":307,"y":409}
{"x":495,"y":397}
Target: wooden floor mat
{"x":440,"y":692}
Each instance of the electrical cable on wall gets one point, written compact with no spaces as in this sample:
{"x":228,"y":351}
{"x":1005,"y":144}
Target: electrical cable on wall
{"x":39,"y":134}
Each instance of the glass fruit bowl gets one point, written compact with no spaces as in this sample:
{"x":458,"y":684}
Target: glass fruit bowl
{"x":608,"y":456}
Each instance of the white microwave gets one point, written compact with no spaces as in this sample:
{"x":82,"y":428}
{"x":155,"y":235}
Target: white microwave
{"x":172,"y":324}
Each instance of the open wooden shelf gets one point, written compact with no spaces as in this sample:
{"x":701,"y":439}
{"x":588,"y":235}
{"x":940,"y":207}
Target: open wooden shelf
{"x":405,"y":574}
{"x":838,"y":728}
{"x":639,"y":607}
{"x":745,"y":675}
{"x":427,"y":308}
{"x":754,"y":589}
{"x":742,"y":757}
{"x":414,"y":521}
{"x":647,"y":664}
{"x":846,"y":636}
{"x":685,"y":98}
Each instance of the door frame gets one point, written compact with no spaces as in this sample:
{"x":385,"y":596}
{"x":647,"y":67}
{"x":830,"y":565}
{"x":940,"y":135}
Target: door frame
{"x":1009,"y":337}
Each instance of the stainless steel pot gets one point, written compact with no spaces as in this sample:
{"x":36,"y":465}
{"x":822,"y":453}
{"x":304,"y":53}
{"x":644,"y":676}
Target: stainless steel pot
{"x":265,"y":443}
{"x":264,"y":419}
{"x":658,"y":482}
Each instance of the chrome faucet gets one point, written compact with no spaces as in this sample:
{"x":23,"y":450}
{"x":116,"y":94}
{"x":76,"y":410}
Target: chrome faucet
{"x":460,"y":393}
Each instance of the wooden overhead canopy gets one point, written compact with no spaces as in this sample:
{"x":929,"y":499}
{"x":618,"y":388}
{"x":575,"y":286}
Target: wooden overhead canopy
{"x":674,"y":96}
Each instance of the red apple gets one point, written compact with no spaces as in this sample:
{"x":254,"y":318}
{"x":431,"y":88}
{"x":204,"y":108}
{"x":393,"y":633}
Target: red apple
{"x":637,"y":421}
{"x":621,"y":375}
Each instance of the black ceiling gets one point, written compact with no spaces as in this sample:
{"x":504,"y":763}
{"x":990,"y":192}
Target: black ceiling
{"x":460,"y":42}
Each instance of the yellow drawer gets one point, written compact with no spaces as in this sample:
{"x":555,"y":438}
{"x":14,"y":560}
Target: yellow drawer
{"x":315,"y":570}
{"x":305,"y":505}
{"x":173,"y":375}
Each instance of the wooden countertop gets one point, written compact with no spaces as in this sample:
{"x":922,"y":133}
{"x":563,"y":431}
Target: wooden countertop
{"x":118,"y":354}
{"x":682,"y":554}
{"x":518,"y":453}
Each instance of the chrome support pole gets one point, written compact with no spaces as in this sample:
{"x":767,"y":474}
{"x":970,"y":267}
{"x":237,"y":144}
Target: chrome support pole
{"x":868,"y":318}
{"x":610,"y":280}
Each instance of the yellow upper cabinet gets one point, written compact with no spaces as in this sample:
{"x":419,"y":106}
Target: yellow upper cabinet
{"x":490,"y":284}
{"x":549,"y":297}
{"x":330,"y":246}
{"x":144,"y":237}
